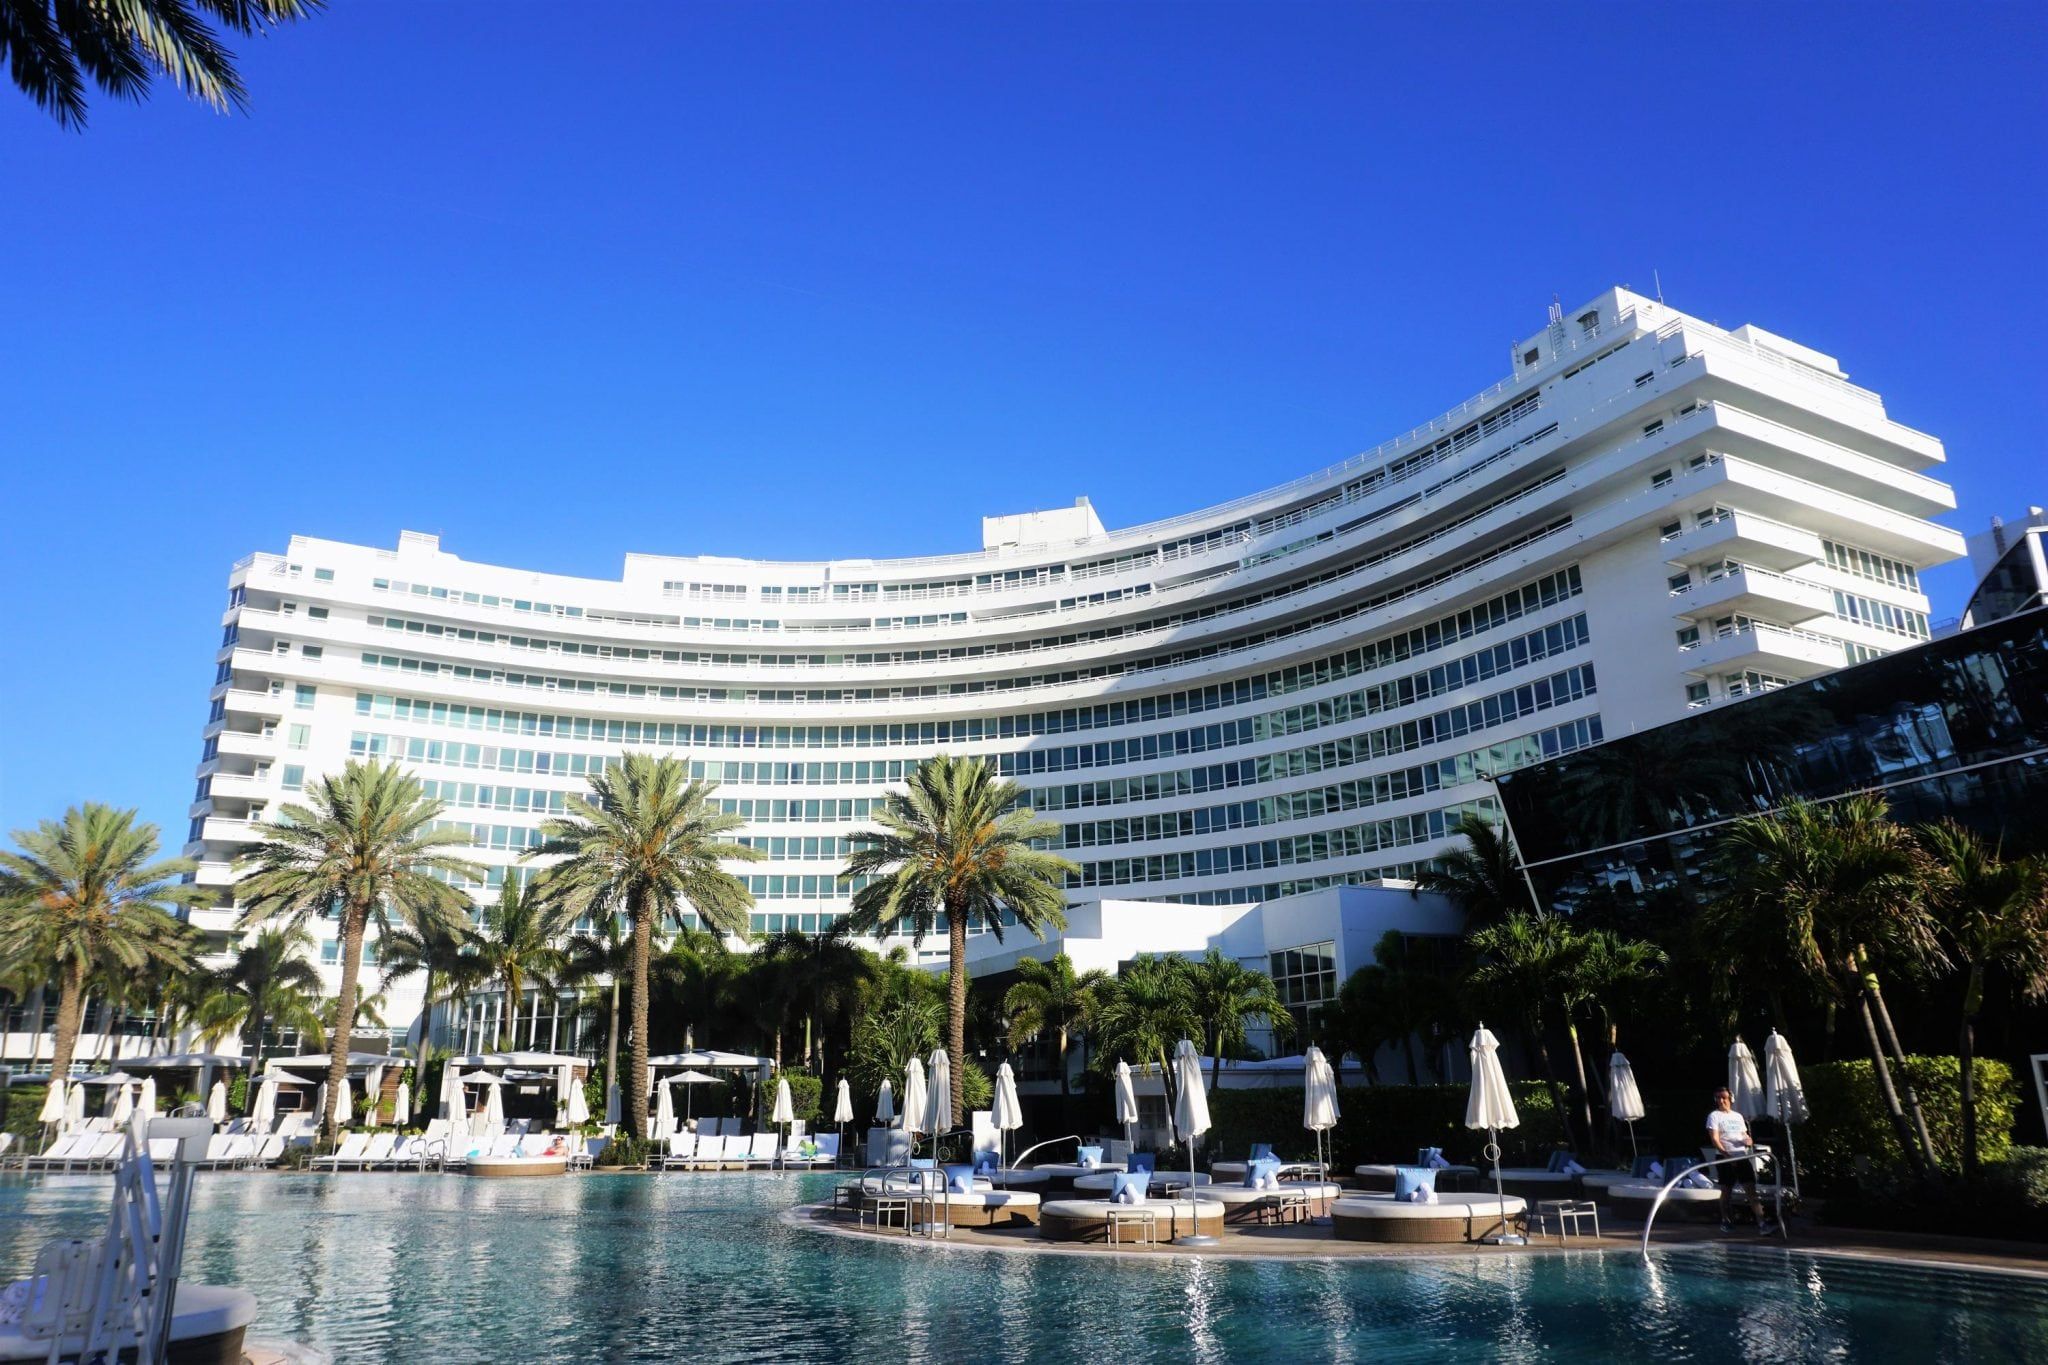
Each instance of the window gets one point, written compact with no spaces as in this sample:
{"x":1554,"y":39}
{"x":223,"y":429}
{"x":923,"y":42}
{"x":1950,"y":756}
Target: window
{"x":311,"y":651}
{"x":283,"y":647}
{"x":1652,"y":428}
{"x":1695,"y":693}
{"x":317,"y":613}
{"x":1670,"y":529}
{"x":293,"y":570}
{"x":237,"y":595}
{"x":288,"y":608}
{"x":1305,"y":979}
{"x":294,"y":777}
{"x":302,"y":696}
{"x":1589,"y":323}
{"x":223,"y":672}
{"x":230,"y":633}
{"x":300,"y":736}
{"x":1645,"y":378}
{"x":1679,"y":582}
{"x":1660,"y":478}
{"x":323,"y":575}
{"x":1530,"y":357}
{"x":1688,"y":637}
{"x":209,"y":750}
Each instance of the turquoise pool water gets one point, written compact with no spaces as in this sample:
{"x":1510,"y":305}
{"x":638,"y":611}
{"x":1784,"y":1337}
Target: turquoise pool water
{"x":701,"y":1268}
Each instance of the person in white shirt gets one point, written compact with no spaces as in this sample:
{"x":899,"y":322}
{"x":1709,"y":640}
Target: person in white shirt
{"x":1728,"y":1134}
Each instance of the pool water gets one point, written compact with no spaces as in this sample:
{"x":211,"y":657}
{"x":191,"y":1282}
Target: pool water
{"x":703,"y":1268}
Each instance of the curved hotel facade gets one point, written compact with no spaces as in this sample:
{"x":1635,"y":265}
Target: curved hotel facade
{"x":1302,"y":688}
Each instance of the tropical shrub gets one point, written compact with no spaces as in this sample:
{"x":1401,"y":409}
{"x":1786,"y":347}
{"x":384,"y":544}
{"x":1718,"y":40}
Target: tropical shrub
{"x":805,"y":1092}
{"x":24,"y":1102}
{"x":1847,"y":1136}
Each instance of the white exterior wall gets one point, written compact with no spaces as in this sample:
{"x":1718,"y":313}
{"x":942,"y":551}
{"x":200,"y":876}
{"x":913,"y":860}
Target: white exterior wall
{"x":1568,"y":455}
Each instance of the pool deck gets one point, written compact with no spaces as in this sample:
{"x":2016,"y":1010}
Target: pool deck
{"x":1316,"y":1241}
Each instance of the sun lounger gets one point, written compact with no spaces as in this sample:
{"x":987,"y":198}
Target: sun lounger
{"x":586,"y":1152}
{"x":378,"y":1151}
{"x":99,"y":1152}
{"x":352,"y":1145}
{"x":763,"y":1151}
{"x":53,"y":1156}
{"x":679,"y":1150}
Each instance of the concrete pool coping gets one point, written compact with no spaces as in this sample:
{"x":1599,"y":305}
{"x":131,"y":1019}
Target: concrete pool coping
{"x":1319,"y":1243}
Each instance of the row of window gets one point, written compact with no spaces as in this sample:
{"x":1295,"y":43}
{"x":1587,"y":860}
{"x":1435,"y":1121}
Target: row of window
{"x":801,"y":847}
{"x":454,"y":753}
{"x":1393,"y":648}
{"x":1882,"y":615}
{"x":1867,"y":564}
{"x":1356,"y":841}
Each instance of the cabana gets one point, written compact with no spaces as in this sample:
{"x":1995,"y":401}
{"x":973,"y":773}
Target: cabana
{"x":707,"y":1059}
{"x":308,"y":1073}
{"x":531,"y":1081}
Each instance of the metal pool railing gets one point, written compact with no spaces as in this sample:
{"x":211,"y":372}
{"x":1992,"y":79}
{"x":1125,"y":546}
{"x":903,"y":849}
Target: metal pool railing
{"x":1777,"y":1189}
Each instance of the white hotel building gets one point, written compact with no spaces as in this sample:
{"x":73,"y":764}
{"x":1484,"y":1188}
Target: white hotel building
{"x":1299,"y":689}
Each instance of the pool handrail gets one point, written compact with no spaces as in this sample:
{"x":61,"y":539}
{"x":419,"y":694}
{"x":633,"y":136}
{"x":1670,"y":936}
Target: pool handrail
{"x":1759,"y":1150}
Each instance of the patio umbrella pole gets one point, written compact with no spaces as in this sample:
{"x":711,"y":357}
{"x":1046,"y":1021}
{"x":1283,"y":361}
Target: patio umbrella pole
{"x":1503,"y":1238}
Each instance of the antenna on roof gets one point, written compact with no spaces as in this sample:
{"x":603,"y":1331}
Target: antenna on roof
{"x":1659,"y":281}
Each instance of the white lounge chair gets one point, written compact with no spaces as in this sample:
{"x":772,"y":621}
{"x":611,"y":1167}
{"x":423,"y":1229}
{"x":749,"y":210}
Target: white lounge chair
{"x":55,"y":1154}
{"x":352,"y":1145}
{"x":764,"y":1151}
{"x":680,"y":1150}
{"x":378,"y":1151}
{"x":587,"y":1151}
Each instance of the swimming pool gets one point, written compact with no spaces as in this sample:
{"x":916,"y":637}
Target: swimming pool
{"x":703,"y":1268}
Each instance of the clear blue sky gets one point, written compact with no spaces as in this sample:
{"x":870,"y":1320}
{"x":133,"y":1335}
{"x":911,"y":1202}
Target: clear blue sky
{"x":800,"y":282}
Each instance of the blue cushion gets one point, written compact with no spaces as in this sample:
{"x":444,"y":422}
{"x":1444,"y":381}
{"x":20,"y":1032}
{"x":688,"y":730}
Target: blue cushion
{"x":1089,"y":1156}
{"x":1259,"y":1171}
{"x":1409,"y":1179}
{"x":1143,"y":1161}
{"x":1427,"y":1155}
{"x":984,"y":1162}
{"x":1135,"y":1181}
{"x":960,"y":1179}
{"x":1641,"y":1168}
{"x":1260,"y":1149}
{"x":1557,"y":1161}
{"x":924,"y":1163}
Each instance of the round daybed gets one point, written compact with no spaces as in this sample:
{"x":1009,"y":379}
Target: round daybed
{"x":1380,"y":1178}
{"x":1596,"y":1184}
{"x":1453,"y":1218}
{"x":1087,"y":1220}
{"x":517,"y":1165}
{"x":991,"y":1208}
{"x":1631,"y":1199}
{"x":1234,"y":1170}
{"x":1008,"y":1178}
{"x":1241,"y":1205}
{"x":1102,"y":1182}
{"x":206,"y":1329}
{"x":1534,"y":1183}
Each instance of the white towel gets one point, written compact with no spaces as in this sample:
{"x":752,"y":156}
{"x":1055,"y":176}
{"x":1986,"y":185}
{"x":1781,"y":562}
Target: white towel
{"x":1127,"y":1195}
{"x":15,"y":1300}
{"x":1422,"y":1194}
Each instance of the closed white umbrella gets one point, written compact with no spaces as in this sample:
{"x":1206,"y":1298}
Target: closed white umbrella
{"x":940,"y":1117}
{"x":579,"y":1103}
{"x":454,"y":1104}
{"x":217,"y":1103}
{"x":842,"y":1104}
{"x":1743,"y":1082}
{"x":1006,"y":1114}
{"x":664,"y":1113}
{"x":264,"y":1116}
{"x":373,"y":1095}
{"x":1624,"y":1100}
{"x":1490,"y":1106}
{"x":885,"y":1106}
{"x":145,"y":1099}
{"x":1319,"y":1108}
{"x":916,"y":1111}
{"x":1126,"y":1097}
{"x":344,"y":1112}
{"x":1785,"y":1097}
{"x":784,"y":1113}
{"x":494,"y":1109}
{"x":320,"y":1104}
{"x":54,"y":1100}
{"x":74,"y":1106}
{"x":401,"y":1108}
{"x":124,"y":1105}
{"x":1190,"y":1115}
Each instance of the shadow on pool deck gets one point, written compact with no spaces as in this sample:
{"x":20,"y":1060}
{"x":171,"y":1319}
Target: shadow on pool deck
{"x":1316,"y":1240}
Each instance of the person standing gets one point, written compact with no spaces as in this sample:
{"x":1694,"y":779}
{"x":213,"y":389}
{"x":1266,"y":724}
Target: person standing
{"x":1728,"y":1133}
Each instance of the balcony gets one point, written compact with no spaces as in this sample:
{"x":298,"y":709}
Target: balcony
{"x":1746,"y":538}
{"x":242,"y":700}
{"x":225,"y":830}
{"x":1745,"y":590}
{"x":243,"y":786}
{"x":1777,"y":650}
{"x":247,"y":743}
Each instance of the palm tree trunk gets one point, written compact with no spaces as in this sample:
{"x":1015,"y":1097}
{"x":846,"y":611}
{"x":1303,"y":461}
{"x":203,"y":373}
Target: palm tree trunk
{"x":1066,"y":1091}
{"x":426,"y":1027}
{"x":611,"y":1046}
{"x":344,"y":1014}
{"x":1571,"y":1029}
{"x":1881,"y":1068}
{"x":1216,"y":1064}
{"x":1966,"y":1057}
{"x":956,"y":1001}
{"x":636,"y":1055}
{"x":255,"y":1026}
{"x":35,"y":1028}
{"x":70,"y":1014}
{"x":1905,"y":1081}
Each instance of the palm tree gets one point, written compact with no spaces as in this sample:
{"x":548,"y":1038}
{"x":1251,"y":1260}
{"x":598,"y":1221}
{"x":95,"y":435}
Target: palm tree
{"x":957,"y":844}
{"x":1143,"y":1013}
{"x":1845,"y":883}
{"x":439,"y":954}
{"x":516,"y":948}
{"x":1484,"y":878}
{"x":54,"y":48}
{"x":648,"y":840}
{"x":1993,"y":913}
{"x":367,"y":850}
{"x":1526,"y":960}
{"x":603,"y":954}
{"x":821,"y":974}
{"x":1604,"y":968}
{"x":1227,"y":995}
{"x":1051,"y":997}
{"x":272,"y":983}
{"x":81,"y":897}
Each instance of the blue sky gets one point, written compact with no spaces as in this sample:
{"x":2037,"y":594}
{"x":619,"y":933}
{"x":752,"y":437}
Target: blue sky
{"x":804,"y":282}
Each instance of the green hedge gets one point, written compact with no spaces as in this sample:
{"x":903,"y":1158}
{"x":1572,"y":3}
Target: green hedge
{"x":1381,"y":1123}
{"x":24,"y":1102}
{"x":1848,"y":1129}
{"x":804,"y":1094}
